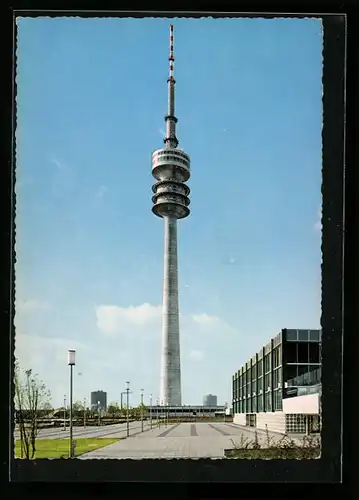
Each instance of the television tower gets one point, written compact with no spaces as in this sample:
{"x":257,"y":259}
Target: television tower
{"x":171,"y":168}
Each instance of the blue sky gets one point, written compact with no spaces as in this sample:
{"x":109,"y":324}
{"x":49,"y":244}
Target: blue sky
{"x":91,"y":98}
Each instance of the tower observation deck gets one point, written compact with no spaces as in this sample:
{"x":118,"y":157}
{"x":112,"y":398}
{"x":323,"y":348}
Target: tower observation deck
{"x":171,"y":169}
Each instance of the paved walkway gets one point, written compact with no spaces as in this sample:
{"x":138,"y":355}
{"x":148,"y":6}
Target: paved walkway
{"x":185,"y":440}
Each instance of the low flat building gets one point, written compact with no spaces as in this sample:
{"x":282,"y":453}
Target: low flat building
{"x":279,"y":388}
{"x":186,"y":411}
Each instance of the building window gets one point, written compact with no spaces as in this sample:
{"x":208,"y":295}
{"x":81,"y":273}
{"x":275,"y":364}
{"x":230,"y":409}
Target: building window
{"x":267,"y":363}
{"x":260,"y":368}
{"x":291,"y":371}
{"x":260,"y":404}
{"x":277,"y":396}
{"x":291,"y":335}
{"x":260,"y":384}
{"x":276,"y":378}
{"x":303,"y":335}
{"x":303,"y":354}
{"x":254,"y":404}
{"x":314,"y":353}
{"x":314,"y":335}
{"x":268,"y":397}
{"x":301,"y":370}
{"x":291,"y":352}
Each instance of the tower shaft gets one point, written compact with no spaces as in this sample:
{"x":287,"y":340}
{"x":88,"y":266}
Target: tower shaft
{"x":170,"y":388}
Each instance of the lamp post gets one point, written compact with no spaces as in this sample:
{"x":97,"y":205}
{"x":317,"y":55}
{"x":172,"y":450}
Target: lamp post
{"x":141,"y":410}
{"x":98,"y":412}
{"x":122,"y":394}
{"x":128,"y":410}
{"x":150,"y":411}
{"x":225,"y":408}
{"x":84,"y":412}
{"x":71,"y":362}
{"x":64,"y":412}
{"x":158,"y":402}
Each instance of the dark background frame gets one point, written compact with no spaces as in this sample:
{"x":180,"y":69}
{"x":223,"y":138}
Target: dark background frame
{"x":327,"y":469}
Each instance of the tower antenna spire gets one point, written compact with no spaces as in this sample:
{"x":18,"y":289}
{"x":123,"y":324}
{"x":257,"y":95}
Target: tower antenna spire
{"x":171,"y":140}
{"x":171,"y":57}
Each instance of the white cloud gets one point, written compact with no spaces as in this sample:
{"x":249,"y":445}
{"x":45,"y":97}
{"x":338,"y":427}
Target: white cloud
{"x":318,"y":224}
{"x":146,"y":319}
{"x":31,"y":305}
{"x":114,"y":319}
{"x":205,"y":319}
{"x":196,"y":355}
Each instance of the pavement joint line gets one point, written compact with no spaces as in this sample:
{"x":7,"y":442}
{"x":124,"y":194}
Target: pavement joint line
{"x":164,"y":434}
{"x":194,"y":430}
{"x":224,"y":433}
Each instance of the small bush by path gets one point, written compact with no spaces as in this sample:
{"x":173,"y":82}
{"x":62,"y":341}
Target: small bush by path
{"x":285,"y":448}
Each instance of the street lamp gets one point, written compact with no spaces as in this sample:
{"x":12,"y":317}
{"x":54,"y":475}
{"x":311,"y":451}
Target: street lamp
{"x":141,"y":410}
{"x":71,"y":362}
{"x":158,"y":402}
{"x":150,"y":411}
{"x":128,"y":411}
{"x":84,"y":412}
{"x":122,"y":394}
{"x":64,"y":412}
{"x":98,"y":412}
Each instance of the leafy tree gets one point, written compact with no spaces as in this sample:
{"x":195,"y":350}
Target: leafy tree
{"x":113,"y":409}
{"x":31,"y":399}
{"x":137,"y":411}
{"x":77,"y":408}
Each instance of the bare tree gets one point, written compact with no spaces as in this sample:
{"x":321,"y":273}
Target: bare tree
{"x":31,"y":398}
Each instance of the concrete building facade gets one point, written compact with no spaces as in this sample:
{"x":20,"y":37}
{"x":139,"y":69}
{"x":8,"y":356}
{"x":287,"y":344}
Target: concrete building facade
{"x":279,"y":388}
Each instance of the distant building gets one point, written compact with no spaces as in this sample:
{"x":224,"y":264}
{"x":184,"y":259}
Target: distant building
{"x":209,"y":400}
{"x":99,"y":400}
{"x":190,"y":412}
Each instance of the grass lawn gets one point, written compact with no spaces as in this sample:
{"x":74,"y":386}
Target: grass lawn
{"x":59,"y":448}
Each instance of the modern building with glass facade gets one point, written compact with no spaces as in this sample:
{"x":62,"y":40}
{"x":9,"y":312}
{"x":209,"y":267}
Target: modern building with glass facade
{"x":209,"y":400}
{"x":99,"y":400}
{"x":281,"y":384}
